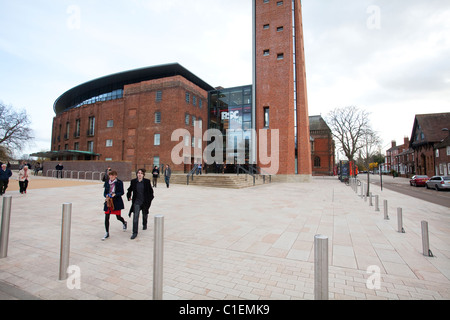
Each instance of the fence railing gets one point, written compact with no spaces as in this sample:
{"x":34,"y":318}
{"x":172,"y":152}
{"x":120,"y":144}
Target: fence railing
{"x":73,"y":174}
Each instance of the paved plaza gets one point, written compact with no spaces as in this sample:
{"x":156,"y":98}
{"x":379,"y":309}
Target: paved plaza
{"x":254,"y":243}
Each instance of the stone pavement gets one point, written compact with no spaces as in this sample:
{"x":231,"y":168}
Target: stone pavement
{"x":254,"y":243}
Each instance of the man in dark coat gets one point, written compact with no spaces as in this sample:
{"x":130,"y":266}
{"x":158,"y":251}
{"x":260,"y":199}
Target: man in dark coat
{"x":5,"y":174}
{"x":141,"y":194}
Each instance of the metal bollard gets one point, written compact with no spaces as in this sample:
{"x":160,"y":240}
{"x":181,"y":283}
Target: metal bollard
{"x":370,"y":199}
{"x":365,"y":193}
{"x":362,"y":190}
{"x":426,"y":240}
{"x":6,"y":218}
{"x":377,"y":203}
{"x":320,"y":267}
{"x":400,"y":220}
{"x":65,"y":240}
{"x":386,"y":215}
{"x":158,"y":251}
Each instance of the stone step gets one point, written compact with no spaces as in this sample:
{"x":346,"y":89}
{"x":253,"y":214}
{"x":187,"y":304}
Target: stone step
{"x":218,"y":180}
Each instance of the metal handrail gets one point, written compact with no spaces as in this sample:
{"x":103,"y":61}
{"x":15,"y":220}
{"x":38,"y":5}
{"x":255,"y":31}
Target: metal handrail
{"x":239,"y":167}
{"x":191,"y":173}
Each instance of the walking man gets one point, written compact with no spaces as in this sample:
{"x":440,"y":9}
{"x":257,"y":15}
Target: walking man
{"x":141,"y":194}
{"x":167,"y":174}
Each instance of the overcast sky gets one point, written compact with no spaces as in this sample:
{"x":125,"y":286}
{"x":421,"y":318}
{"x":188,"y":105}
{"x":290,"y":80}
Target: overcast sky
{"x":390,"y":57}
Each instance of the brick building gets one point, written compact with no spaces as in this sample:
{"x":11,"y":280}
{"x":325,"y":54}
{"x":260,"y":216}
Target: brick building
{"x":131,"y":116}
{"x":280,"y":82}
{"x":322,"y":147}
{"x":429,"y":140}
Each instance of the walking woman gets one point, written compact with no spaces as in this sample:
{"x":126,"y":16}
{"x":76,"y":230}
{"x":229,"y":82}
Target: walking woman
{"x":24,"y":176}
{"x":114,"y":204}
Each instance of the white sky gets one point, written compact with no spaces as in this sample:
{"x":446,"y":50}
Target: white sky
{"x":391,"y":58}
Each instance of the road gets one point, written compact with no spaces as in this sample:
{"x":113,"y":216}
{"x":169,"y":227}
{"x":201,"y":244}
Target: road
{"x":401,"y":185}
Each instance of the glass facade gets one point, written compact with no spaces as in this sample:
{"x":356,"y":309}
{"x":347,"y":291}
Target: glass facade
{"x":230,"y":112}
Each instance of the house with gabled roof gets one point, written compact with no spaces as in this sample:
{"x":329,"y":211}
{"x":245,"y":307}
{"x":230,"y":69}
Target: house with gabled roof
{"x":428,"y":134}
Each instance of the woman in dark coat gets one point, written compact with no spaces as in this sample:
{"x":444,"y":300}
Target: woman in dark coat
{"x":113,"y":191}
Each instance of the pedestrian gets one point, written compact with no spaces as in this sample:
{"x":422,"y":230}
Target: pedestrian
{"x":140,"y":193}
{"x":24,"y":176}
{"x":106,"y":175}
{"x":199,"y":168}
{"x":59,"y":168}
{"x":167,"y":174}
{"x":5,"y":174}
{"x":155,"y":174}
{"x":113,"y":201}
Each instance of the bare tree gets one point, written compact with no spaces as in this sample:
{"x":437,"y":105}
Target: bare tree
{"x":15,"y":131}
{"x":349,"y":125}
{"x":370,"y":144}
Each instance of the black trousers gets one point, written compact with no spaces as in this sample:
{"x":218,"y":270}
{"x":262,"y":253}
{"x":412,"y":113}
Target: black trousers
{"x":137,"y":209}
{"x":23,"y":185}
{"x":107,"y":221}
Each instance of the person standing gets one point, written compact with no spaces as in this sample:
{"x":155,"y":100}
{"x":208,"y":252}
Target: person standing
{"x":167,"y":174}
{"x":155,"y":174}
{"x":113,"y":201}
{"x":5,"y":174}
{"x":24,"y":176}
{"x":59,"y":168}
{"x":141,"y":194}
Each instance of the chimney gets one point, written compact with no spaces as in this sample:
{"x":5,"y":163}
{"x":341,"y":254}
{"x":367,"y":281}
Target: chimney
{"x":406,"y":142}
{"x":394,"y":144}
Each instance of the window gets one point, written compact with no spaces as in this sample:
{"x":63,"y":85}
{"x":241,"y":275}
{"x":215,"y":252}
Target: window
{"x":91,"y":129}
{"x":200,"y":103}
{"x":77,"y":128}
{"x":279,"y":29}
{"x":156,"y":161}
{"x":158,"y":117}
{"x":157,"y":141}
{"x":110,"y":124}
{"x":158,"y":96}
{"x":109,"y":143}
{"x":279,"y":3}
{"x":266,"y":1}
{"x":76,"y":146}
{"x":66,"y":136}
{"x":193,"y":142}
{"x":317,"y":162}
{"x":266,"y":117}
{"x":186,"y":119}
{"x":266,"y":52}
{"x":90,"y":146}
{"x":280,"y":56}
{"x":448,"y":151}
{"x":193,"y":120}
{"x":266,"y":26}
{"x":188,"y":97}
{"x":194,"y":100}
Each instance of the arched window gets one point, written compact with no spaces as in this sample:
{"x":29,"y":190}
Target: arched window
{"x":317,"y":162}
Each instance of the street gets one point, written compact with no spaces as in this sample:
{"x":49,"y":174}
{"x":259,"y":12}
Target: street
{"x":402,"y":185}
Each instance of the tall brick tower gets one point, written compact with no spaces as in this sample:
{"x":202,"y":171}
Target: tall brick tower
{"x":279,"y":82}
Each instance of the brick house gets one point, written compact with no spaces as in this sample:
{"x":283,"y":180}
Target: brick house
{"x":429,"y":142}
{"x":322,"y":146}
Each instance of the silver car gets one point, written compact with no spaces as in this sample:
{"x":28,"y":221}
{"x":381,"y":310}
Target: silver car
{"x":439,"y":183}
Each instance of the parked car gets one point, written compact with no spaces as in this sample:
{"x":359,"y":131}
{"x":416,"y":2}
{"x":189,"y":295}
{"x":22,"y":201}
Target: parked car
{"x":419,"y":181}
{"x":439,"y":183}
